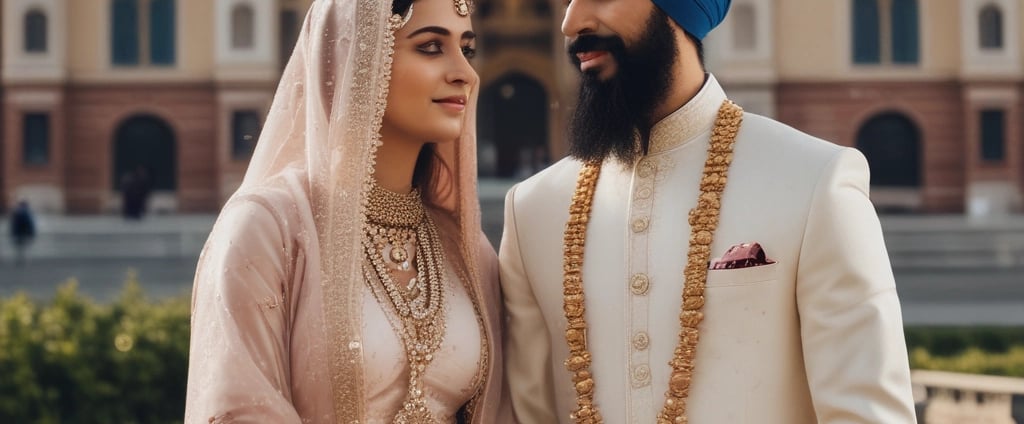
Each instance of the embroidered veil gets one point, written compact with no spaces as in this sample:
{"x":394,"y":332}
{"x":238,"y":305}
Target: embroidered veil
{"x":324,"y":126}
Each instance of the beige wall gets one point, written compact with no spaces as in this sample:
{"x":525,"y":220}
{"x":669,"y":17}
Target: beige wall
{"x":814,"y":43}
{"x":89,"y":40}
{"x":806,"y":38}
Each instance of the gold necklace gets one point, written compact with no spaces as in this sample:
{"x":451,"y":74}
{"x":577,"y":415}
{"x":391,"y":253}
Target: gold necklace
{"x":421,"y":315}
{"x":703,"y":222}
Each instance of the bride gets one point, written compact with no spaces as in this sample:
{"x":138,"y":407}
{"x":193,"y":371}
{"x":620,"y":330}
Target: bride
{"x":347,"y":280}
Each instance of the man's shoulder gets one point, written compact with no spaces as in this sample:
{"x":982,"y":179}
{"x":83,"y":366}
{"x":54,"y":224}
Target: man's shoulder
{"x":764,"y":133}
{"x":555,"y":180}
{"x":795,"y":160}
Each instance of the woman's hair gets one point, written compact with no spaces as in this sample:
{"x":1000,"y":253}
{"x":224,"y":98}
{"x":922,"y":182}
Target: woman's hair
{"x":399,"y":7}
{"x":429,"y":171}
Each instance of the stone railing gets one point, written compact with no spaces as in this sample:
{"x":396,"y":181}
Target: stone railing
{"x":954,"y":398}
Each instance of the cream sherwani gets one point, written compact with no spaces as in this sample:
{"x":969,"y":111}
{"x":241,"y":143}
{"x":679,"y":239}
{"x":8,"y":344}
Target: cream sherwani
{"x":815,"y":337}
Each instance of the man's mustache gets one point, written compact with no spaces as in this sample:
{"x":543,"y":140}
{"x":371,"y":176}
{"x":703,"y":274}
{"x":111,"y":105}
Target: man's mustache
{"x":589,"y":43}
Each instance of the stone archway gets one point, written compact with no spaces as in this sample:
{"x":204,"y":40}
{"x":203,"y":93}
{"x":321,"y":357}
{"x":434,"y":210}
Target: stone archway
{"x":513,"y":127}
{"x":145,"y":158}
{"x":892,"y":144}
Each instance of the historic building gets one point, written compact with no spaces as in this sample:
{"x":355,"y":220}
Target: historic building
{"x":98,"y":92}
{"x":928,"y":90}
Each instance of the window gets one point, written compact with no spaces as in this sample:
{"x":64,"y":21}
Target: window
{"x":35,"y":32}
{"x":866,"y":43}
{"x":744,"y":27}
{"x":36,"y":139}
{"x":904,"y":31}
{"x":891,"y":142}
{"x":143,"y":32}
{"x":162,"y":34}
{"x":886,"y":31}
{"x":245,"y":131}
{"x":125,"y":34}
{"x":242,"y":27}
{"x":990,"y":27}
{"x":993,"y":135}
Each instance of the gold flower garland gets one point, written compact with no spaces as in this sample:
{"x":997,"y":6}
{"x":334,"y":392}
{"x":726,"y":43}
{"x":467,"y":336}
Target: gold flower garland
{"x":703,"y":222}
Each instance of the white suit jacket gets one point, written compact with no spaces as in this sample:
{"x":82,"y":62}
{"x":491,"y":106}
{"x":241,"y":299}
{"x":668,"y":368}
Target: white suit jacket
{"x":815,"y":337}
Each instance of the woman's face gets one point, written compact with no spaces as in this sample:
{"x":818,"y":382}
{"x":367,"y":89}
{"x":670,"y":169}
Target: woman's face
{"x":431,"y":79}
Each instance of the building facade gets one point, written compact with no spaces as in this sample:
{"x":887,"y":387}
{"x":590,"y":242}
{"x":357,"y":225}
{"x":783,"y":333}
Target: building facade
{"x":173,"y":92}
{"x":169,"y":93}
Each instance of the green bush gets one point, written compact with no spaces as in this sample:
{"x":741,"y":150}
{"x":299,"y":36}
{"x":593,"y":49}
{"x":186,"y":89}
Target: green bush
{"x":978,"y":350}
{"x":75,"y":361}
{"x":952,"y":341}
{"x":972,"y":361}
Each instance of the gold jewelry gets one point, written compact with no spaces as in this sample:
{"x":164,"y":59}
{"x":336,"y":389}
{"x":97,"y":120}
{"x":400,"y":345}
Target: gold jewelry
{"x":463,"y":7}
{"x":396,"y":22}
{"x":703,"y":222}
{"x":419,"y":306}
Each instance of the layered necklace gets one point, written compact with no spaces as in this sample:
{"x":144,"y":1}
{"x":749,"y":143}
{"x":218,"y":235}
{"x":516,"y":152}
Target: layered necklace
{"x":703,"y":221}
{"x":400,"y":236}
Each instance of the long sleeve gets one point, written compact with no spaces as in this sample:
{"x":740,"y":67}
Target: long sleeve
{"x":527,"y":346}
{"x":238,"y":359}
{"x":850,"y":320}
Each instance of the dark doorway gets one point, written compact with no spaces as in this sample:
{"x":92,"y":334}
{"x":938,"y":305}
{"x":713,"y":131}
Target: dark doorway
{"x":892,"y":145}
{"x":146,"y":144}
{"x":513,"y":128}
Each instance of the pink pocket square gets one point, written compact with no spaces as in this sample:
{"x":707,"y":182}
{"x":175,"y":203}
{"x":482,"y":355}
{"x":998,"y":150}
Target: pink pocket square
{"x":743,"y":255}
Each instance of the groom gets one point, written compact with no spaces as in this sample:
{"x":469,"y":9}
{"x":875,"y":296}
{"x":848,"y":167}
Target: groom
{"x":690,"y":262}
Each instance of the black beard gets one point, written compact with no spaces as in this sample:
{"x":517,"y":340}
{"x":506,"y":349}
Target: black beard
{"x":613,"y":118}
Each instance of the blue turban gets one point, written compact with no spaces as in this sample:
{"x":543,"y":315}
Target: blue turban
{"x":697,"y":17}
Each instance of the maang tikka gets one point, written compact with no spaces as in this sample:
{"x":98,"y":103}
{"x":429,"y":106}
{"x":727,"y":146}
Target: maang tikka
{"x":462,"y":7}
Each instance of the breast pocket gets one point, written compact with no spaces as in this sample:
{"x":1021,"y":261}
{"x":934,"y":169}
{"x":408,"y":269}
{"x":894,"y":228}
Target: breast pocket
{"x":742,"y":276}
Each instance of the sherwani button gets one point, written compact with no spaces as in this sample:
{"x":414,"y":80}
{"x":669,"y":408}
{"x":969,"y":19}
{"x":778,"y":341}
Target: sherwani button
{"x":640,"y":341}
{"x":644,"y":193}
{"x":645,"y":169}
{"x":641,"y":375}
{"x":640,"y":225}
{"x":639,"y":284}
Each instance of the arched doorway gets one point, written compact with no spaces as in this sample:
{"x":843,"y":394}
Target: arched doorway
{"x":513,"y":128}
{"x":892,"y":144}
{"x":145,"y":157}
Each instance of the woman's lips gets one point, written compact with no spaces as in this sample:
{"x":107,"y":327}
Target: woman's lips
{"x":454,"y":103}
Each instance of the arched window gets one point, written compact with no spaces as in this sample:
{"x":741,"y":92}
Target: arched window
{"x":242,"y":27}
{"x":744,"y":27}
{"x":513,"y":127}
{"x":891,"y":143}
{"x":905,"y":32}
{"x":866,"y":32}
{"x":162,"y":32}
{"x":990,"y":27}
{"x":145,"y":147}
{"x":35,"y":32}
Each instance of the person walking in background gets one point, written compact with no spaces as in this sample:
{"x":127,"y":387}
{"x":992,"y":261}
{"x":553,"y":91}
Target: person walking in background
{"x":135,"y":187}
{"x":23,"y":231}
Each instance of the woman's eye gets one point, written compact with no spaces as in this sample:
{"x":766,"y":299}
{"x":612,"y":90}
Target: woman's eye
{"x":432,"y":47}
{"x":469,"y":52}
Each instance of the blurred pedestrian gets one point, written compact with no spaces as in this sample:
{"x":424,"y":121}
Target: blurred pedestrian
{"x":23,"y":231}
{"x":135,"y":187}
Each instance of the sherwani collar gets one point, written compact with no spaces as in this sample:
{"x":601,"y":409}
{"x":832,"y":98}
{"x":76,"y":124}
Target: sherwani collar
{"x":694,"y":118}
